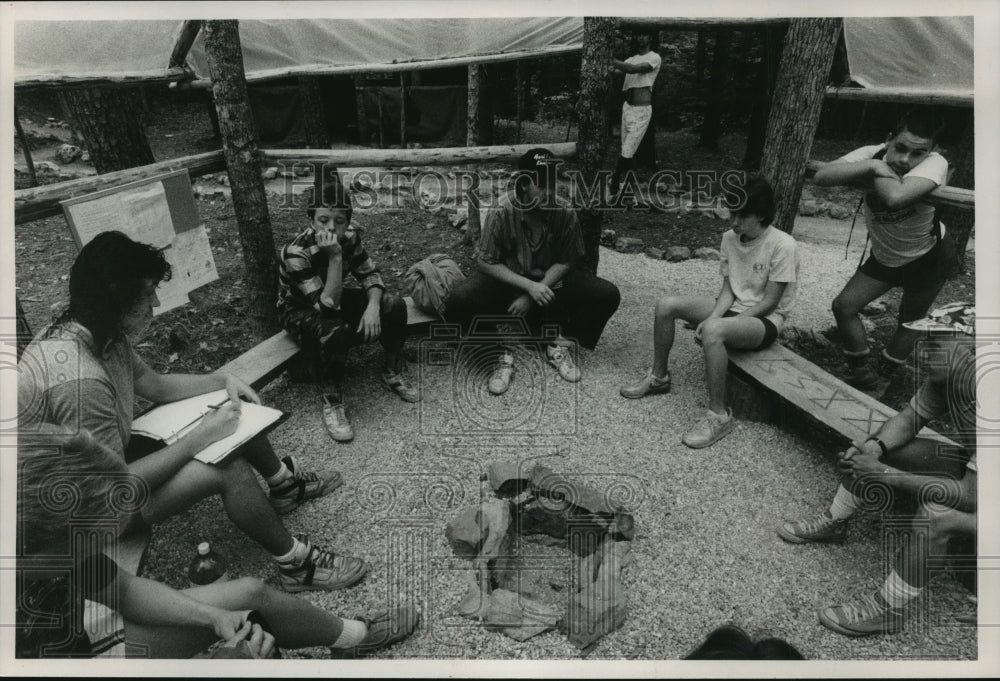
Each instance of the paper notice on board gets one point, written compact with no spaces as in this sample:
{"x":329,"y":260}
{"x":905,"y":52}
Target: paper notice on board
{"x":172,"y":294}
{"x":148,"y":214}
{"x":93,"y":217}
{"x":194,"y":253}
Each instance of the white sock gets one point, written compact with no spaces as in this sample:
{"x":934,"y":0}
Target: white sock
{"x":889,"y":358}
{"x":897,"y":592}
{"x":279,"y":477}
{"x":844,"y":504}
{"x":296,"y":554}
{"x":353,"y":634}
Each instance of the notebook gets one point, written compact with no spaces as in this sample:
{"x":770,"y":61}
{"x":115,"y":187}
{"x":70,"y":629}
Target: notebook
{"x":170,"y":422}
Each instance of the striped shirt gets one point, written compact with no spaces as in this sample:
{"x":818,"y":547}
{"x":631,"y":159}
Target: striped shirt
{"x":302,"y":270}
{"x":505,"y":239}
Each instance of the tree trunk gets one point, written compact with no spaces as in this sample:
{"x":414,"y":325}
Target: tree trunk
{"x":110,"y":120}
{"x":767,"y":75}
{"x":711,"y":126}
{"x":472,"y":225}
{"x":519,"y":84}
{"x":795,"y":109}
{"x":26,"y":150}
{"x":486,"y":107}
{"x":592,"y":145}
{"x":699,"y":58}
{"x":241,"y":148}
{"x":402,"y":110}
{"x":958,"y":222}
{"x":313,"y":117}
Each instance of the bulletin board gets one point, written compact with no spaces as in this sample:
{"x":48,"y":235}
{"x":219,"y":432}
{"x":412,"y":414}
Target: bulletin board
{"x":159,"y":211}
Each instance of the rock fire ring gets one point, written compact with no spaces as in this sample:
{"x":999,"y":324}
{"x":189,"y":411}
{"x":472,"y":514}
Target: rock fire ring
{"x":512,"y":587}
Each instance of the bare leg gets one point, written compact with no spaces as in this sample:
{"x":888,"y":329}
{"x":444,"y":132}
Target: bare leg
{"x":242,"y":498}
{"x":913,"y":305}
{"x":259,"y":453}
{"x":716,"y":336}
{"x":295,"y":622}
{"x":945,"y":523}
{"x":858,"y":292}
{"x":692,"y":309}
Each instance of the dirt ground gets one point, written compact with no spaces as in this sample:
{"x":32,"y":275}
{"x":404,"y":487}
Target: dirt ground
{"x":713,"y":533}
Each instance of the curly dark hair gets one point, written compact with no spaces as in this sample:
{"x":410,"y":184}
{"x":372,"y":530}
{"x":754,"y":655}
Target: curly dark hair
{"x":106,"y":281}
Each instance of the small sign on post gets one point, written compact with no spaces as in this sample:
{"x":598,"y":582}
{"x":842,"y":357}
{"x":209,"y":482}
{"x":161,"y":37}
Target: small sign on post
{"x":159,"y":211}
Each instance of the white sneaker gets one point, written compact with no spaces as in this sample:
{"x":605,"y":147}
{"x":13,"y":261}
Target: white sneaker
{"x":500,"y":379}
{"x":562,"y":360}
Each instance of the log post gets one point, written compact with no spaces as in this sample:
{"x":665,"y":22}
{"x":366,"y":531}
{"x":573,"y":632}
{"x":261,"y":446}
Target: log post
{"x":595,"y":88}
{"x":381,"y":119}
{"x":25,"y":149}
{"x":402,"y":109}
{"x":771,"y":38}
{"x":519,"y":78}
{"x":473,"y":226}
{"x":241,"y":148}
{"x":313,"y":116}
{"x":958,"y":222}
{"x":714,"y":100}
{"x":111,"y":122}
{"x":798,"y":100}
{"x":362,"y":113}
{"x":185,"y":39}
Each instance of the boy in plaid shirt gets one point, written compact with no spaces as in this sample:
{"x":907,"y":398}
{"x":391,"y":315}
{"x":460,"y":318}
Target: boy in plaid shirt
{"x":327,"y":318}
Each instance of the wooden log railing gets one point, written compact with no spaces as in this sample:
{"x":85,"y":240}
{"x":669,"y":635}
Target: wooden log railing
{"x":902,"y":96}
{"x":41,"y":202}
{"x":956,"y":197}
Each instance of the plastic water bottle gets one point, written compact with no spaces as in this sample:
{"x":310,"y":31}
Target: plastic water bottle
{"x":207,"y":567}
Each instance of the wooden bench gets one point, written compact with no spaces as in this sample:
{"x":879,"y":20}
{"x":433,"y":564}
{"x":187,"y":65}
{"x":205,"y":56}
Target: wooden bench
{"x":764,"y":383}
{"x":257,"y":367}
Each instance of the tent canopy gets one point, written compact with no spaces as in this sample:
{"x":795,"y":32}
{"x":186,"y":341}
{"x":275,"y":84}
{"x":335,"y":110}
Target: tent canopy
{"x":914,"y":54}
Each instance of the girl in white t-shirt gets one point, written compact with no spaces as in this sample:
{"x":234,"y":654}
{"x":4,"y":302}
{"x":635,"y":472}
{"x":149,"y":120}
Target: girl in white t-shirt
{"x":907,"y":241}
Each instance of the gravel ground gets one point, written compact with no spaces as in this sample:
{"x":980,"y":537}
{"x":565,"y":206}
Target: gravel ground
{"x":706,"y":552}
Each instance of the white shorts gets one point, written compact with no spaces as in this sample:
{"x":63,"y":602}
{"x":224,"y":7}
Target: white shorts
{"x":635,"y":120}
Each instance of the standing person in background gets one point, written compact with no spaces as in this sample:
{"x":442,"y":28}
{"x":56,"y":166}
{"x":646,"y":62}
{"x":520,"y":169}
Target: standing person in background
{"x":640,"y":72}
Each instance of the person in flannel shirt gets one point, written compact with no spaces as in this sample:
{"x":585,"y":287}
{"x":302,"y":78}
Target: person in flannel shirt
{"x":328,"y":318}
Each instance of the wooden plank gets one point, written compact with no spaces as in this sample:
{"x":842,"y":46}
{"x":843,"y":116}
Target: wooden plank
{"x":42,"y":202}
{"x":899,"y":95}
{"x":823,"y":397}
{"x":264,"y":361}
{"x":354,"y":158}
{"x":693,"y":24}
{"x":169,"y":75}
{"x":942,"y":196}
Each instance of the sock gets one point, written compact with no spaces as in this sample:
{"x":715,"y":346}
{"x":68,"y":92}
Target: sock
{"x":283,"y":474}
{"x":297,"y":554}
{"x":855,"y":359}
{"x":353,"y":634}
{"x":844,"y":504}
{"x":896,"y":592}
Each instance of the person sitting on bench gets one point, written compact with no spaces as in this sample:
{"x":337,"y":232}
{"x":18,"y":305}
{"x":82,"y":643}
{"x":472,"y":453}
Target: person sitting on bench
{"x":528,"y":265}
{"x":941,"y":477}
{"x":759,"y":267}
{"x":59,"y":565}
{"x":82,"y":372}
{"x":325,"y":317}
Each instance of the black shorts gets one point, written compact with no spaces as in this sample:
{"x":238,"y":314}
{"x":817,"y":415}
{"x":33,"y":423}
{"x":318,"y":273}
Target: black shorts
{"x":770,"y":330}
{"x":925,"y":272}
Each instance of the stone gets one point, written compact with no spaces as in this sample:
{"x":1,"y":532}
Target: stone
{"x":654,"y":252}
{"x":459,"y":217}
{"x":479,"y":531}
{"x":507,"y":478}
{"x":808,"y":208}
{"x":85,"y":157}
{"x":223,"y":180}
{"x":838,"y":212}
{"x":599,"y":608}
{"x":627,"y":244}
{"x":548,"y":483}
{"x":362,"y":182}
{"x":706,"y":253}
{"x":270,"y":173}
{"x":301,"y":170}
{"x":874,"y":309}
{"x":608,"y":237}
{"x":519,"y":616}
{"x":677,"y":253}
{"x":67,"y":153}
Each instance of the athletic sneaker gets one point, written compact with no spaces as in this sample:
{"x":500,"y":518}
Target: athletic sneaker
{"x":335,"y":419}
{"x":562,"y":360}
{"x":500,"y":379}
{"x":384,"y":629}
{"x":648,"y":384}
{"x":822,"y":528}
{"x":864,"y":617}
{"x":862,"y":377}
{"x":712,"y":428}
{"x":395,"y":382}
{"x":302,"y":486}
{"x":321,"y":570}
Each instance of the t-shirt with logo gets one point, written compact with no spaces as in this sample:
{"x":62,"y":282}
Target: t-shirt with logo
{"x":901,"y":235}
{"x":772,"y":256}
{"x":642,"y":79}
